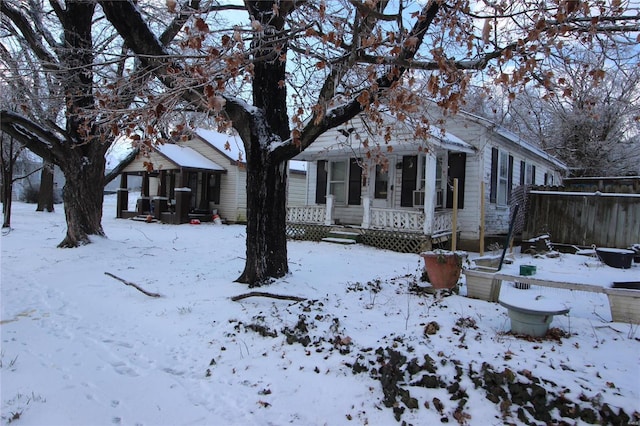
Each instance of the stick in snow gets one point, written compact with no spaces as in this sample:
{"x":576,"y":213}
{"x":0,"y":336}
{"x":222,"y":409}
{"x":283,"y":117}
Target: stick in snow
{"x":134,"y":285}
{"x":263,"y":294}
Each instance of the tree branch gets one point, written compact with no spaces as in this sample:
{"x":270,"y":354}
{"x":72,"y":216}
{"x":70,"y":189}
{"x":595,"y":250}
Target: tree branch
{"x":22,"y":23}
{"x":37,"y":139}
{"x":134,"y":285}
{"x":264,"y":294}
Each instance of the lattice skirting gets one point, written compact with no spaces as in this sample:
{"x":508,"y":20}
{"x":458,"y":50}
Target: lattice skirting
{"x":307,"y":232}
{"x":403,"y":242}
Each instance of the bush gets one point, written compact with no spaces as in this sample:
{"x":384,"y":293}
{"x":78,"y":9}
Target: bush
{"x":30,"y":194}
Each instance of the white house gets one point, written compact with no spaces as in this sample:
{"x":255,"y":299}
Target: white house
{"x":195,"y":178}
{"x":405,"y":185}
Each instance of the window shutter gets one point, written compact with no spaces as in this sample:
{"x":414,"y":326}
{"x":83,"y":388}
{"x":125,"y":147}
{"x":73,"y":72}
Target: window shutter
{"x":523,"y":172}
{"x":355,"y":183}
{"x":409,"y":176}
{"x":321,"y":182}
{"x":457,"y":169}
{"x":493,"y":192}
{"x":510,"y":178}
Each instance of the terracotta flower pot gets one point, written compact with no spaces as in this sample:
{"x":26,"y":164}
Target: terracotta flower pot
{"x":443,"y":267}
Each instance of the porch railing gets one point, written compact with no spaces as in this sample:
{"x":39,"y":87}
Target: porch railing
{"x":377,"y":218}
{"x":404,"y":220}
{"x":306,"y":214}
{"x":442,"y":222}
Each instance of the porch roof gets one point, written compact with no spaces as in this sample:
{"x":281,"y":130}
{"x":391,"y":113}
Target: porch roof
{"x":185,"y":157}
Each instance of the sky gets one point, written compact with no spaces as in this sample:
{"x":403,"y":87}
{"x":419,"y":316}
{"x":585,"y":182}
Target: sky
{"x":79,"y":347}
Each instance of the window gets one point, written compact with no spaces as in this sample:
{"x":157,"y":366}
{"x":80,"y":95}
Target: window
{"x":338,"y":181}
{"x":381,"y":183}
{"x":527,"y":173}
{"x":343,"y":180}
{"x":501,"y":177}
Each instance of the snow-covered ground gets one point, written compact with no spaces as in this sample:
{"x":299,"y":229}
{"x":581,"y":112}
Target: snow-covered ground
{"x":79,"y":347}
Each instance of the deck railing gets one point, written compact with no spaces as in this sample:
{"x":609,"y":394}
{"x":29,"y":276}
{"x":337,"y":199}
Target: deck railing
{"x":378,"y":218}
{"x":402,"y":220}
{"x":306,"y":214}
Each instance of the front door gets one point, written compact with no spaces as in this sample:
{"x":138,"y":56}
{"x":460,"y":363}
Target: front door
{"x":383,"y":185}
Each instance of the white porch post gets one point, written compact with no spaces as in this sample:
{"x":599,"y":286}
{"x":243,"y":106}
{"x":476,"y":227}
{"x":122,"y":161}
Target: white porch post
{"x":366,"y":214}
{"x":429,"y":191}
{"x":328,"y":219}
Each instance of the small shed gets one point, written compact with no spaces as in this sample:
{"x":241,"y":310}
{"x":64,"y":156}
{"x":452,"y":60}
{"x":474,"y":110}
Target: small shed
{"x":197,"y":178}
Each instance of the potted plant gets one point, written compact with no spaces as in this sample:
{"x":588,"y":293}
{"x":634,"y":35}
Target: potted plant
{"x":443,"y":267}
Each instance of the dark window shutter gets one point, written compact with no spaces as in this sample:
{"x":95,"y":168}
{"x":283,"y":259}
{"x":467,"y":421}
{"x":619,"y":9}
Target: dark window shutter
{"x":321,"y":182}
{"x":409,"y":176}
{"x":523,"y":172}
{"x":493,"y":192}
{"x":457,"y":169}
{"x":510,"y":178}
{"x":546,"y":179}
{"x":355,"y":183}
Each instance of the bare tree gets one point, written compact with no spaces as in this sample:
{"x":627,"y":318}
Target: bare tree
{"x":293,"y":70}
{"x":589,"y":121}
{"x":62,"y":53}
{"x":10,"y":151}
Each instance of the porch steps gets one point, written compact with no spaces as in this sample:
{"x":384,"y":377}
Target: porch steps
{"x":342,"y":237}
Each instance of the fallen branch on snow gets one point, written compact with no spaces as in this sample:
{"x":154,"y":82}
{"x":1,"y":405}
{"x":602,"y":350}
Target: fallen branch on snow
{"x":134,"y":285}
{"x":264,"y":294}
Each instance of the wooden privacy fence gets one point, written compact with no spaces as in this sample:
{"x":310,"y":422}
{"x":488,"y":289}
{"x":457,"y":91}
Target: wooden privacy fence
{"x":584,"y":218}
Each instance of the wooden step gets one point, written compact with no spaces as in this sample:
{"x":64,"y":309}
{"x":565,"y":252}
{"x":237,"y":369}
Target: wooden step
{"x":335,"y":240}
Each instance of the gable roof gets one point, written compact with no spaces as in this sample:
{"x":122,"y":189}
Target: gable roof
{"x":514,"y":139}
{"x":231,"y":146}
{"x":186,"y":157}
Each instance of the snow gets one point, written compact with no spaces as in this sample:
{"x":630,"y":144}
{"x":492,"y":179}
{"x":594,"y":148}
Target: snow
{"x":229,"y":144}
{"x":184,"y":156}
{"x":80,"y":347}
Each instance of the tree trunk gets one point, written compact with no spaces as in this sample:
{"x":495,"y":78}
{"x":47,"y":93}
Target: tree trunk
{"x":45,"y":195}
{"x":83,"y":197}
{"x":7,"y":189}
{"x":266,"y":222}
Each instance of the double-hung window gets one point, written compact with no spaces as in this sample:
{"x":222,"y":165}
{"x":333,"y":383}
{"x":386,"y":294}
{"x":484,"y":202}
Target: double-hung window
{"x":501,"y":177}
{"x":342,"y":179}
{"x":338,"y":181}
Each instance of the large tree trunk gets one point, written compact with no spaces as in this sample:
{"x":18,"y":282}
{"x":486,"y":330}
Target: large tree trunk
{"x":266,"y":223}
{"x":83,"y":197}
{"x":266,"y":175}
{"x":45,"y":195}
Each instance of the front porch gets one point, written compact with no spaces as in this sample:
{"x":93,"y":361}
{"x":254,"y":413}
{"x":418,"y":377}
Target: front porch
{"x":402,"y":230}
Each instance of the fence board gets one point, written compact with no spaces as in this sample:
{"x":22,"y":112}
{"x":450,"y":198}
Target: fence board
{"x":606,"y":220}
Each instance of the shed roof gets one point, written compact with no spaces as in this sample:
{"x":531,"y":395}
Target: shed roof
{"x":186,"y":157}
